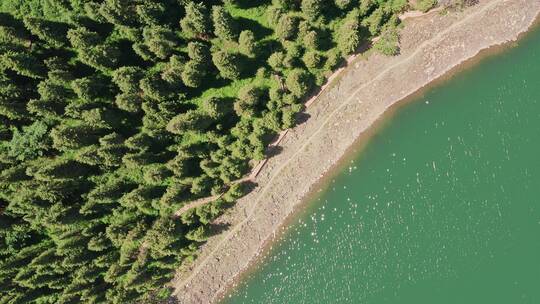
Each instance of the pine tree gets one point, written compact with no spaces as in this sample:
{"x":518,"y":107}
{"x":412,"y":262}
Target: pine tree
{"x":287,"y":27}
{"x":160,"y":41}
{"x":298,"y":82}
{"x":24,"y":64}
{"x":151,"y":13}
{"x":224,"y":25}
{"x":312,"y":40}
{"x":82,"y":38}
{"x":127,"y":78}
{"x":216,"y":108}
{"x":248,"y":100}
{"x":312,"y":59}
{"x":129,"y":102}
{"x":228,"y":64}
{"x":344,"y":4}
{"x":29,"y":143}
{"x":312,"y":9}
{"x":349,"y":34}
{"x":118,"y":12}
{"x":247,"y":44}
{"x":196,"y":22}
{"x":74,"y":137}
{"x":191,"y":120}
{"x":198,"y":52}
{"x":54,"y":33}
{"x":193,"y":74}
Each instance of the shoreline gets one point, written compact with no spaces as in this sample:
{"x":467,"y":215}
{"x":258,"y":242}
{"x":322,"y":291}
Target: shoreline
{"x":314,"y":150}
{"x":322,"y":185}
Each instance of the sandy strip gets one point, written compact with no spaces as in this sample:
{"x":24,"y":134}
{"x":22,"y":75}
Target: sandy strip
{"x":430,"y":46}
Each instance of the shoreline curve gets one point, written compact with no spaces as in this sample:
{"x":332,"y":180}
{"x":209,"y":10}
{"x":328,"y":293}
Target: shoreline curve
{"x":431,"y":46}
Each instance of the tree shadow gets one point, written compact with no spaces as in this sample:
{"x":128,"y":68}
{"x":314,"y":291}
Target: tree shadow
{"x":10,"y":21}
{"x":103,"y":29}
{"x":251,"y":3}
{"x":248,"y":186}
{"x":326,"y":42}
{"x":212,"y":80}
{"x":301,"y":118}
{"x":215,"y":229}
{"x":129,"y":57}
{"x":258,"y":29}
{"x":249,"y":66}
{"x":267,"y":47}
{"x":272,"y":151}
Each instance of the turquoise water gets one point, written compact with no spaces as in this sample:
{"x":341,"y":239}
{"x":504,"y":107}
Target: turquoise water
{"x":442,"y":206}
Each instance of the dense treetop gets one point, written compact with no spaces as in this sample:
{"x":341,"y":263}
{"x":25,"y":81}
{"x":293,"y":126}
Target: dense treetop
{"x":115,"y":113}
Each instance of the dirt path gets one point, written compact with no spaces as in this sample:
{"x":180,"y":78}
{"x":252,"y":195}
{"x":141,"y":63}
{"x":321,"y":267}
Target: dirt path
{"x":430,"y":46}
{"x":257,"y":169}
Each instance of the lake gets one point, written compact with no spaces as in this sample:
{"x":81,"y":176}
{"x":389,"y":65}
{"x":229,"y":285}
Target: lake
{"x":441,"y":206}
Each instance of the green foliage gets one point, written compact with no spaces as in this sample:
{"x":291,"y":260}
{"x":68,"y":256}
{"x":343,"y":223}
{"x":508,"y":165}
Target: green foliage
{"x":92,"y":51}
{"x":224,"y":25}
{"x":287,"y":27}
{"x":349,"y":34}
{"x":247,"y":44}
{"x":333,"y":60}
{"x":127,"y":78}
{"x":31,"y":143}
{"x":312,"y":9}
{"x":52,"y":32}
{"x":24,"y":64}
{"x":388,"y":43}
{"x":425,"y":5}
{"x":196,"y":21}
{"x":228,"y":64}
{"x":193,"y":74}
{"x":289,"y":5}
{"x":216,"y":108}
{"x":249,"y":98}
{"x":311,"y":40}
{"x":312,"y":59}
{"x":277,"y":60}
{"x":114,"y":114}
{"x":298,"y":82}
{"x":344,"y":4}
{"x":191,"y":120}
{"x":151,"y":13}
{"x":160,"y":41}
{"x":198,"y":52}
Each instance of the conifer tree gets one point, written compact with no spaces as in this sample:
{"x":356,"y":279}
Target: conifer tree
{"x":127,"y":78}
{"x":228,"y":64}
{"x":247,"y":43}
{"x":312,"y":9}
{"x":286,"y":27}
{"x":192,"y":74}
{"x":54,"y":33}
{"x":248,"y":100}
{"x":160,"y":41}
{"x":298,"y":82}
{"x":349,"y":34}
{"x":224,"y":24}
{"x":198,"y":52}
{"x":196,"y":22}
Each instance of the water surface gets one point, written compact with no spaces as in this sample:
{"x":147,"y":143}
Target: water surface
{"x":442,"y":206}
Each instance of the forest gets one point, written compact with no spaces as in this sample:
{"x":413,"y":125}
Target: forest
{"x":116,"y":113}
